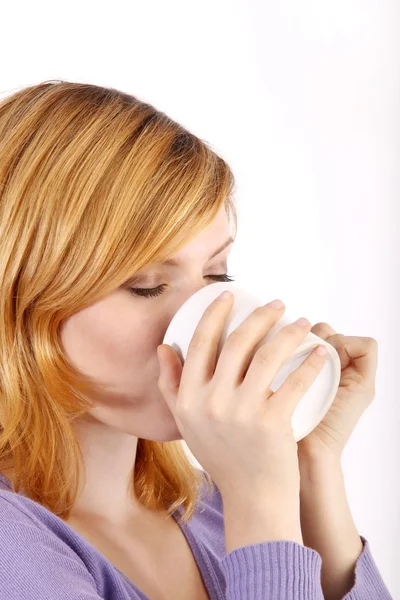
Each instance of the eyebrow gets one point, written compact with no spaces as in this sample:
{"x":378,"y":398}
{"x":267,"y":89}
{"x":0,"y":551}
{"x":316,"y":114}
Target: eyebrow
{"x":175,"y":263}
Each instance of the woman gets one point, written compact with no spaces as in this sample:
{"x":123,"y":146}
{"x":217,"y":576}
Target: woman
{"x":98,"y":191}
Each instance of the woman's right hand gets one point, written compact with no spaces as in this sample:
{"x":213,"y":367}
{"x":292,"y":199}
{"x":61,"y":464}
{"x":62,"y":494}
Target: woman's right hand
{"x":235,"y":426}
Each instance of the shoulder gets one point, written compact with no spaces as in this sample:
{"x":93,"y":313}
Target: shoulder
{"x":42,"y":558}
{"x":19,"y":512}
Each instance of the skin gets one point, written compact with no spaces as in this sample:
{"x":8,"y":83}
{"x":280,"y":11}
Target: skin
{"x":326,"y":521}
{"x":115,"y":341}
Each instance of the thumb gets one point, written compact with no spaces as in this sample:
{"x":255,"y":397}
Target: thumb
{"x":171,"y":368}
{"x":170,"y":376}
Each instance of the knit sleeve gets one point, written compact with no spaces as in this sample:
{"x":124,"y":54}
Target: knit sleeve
{"x":36,"y":565}
{"x":286,"y":570}
{"x":283,"y":570}
{"x":368,"y":582}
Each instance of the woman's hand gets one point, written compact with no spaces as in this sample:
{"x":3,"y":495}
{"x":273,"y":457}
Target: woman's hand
{"x":235,"y":426}
{"x":359,"y":361}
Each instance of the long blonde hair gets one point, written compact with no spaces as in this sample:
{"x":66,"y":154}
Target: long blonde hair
{"x":94,"y":185}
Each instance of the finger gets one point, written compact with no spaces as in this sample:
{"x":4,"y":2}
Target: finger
{"x":202,"y":352}
{"x":268,"y":360}
{"x":287,"y":397}
{"x":322,"y":330}
{"x":239,"y":346}
{"x":362,"y":352}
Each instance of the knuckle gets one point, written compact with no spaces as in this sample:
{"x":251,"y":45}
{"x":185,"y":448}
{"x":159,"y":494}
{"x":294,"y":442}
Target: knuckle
{"x":241,"y":418}
{"x":235,"y":337}
{"x":292,"y":332}
{"x":199,"y":340}
{"x":262,"y":356}
{"x":264,"y":310}
{"x":213,"y":412}
{"x":297,"y":382}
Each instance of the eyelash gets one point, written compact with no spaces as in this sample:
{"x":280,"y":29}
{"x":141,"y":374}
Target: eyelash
{"x":151,"y":292}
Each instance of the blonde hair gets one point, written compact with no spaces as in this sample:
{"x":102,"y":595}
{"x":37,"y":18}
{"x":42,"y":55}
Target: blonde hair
{"x":94,"y":184}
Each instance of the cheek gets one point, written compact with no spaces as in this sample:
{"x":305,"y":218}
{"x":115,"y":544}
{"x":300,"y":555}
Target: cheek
{"x":107,"y":341}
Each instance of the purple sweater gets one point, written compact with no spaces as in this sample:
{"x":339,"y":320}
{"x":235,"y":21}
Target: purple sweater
{"x":43,"y":558}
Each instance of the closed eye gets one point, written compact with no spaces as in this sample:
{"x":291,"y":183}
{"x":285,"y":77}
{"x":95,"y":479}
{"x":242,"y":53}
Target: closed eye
{"x":157,"y":291}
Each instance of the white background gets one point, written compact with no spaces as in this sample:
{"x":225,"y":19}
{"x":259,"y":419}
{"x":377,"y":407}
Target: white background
{"x":302,"y":98}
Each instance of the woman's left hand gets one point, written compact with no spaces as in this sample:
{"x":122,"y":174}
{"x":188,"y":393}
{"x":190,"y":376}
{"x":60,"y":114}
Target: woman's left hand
{"x":359,"y":361}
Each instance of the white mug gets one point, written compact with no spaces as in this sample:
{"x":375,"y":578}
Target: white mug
{"x":315,"y":402}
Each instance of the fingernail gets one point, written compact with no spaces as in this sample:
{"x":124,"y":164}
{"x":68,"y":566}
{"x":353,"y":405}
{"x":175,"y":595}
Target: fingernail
{"x":225,"y":295}
{"x":321,"y":350}
{"x":275,"y":304}
{"x":302,"y":322}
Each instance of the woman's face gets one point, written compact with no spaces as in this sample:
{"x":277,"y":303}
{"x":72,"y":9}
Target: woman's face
{"x":115,"y":340}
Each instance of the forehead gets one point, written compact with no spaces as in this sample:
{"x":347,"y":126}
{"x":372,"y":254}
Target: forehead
{"x":207,"y":244}
{"x":175,"y":262}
